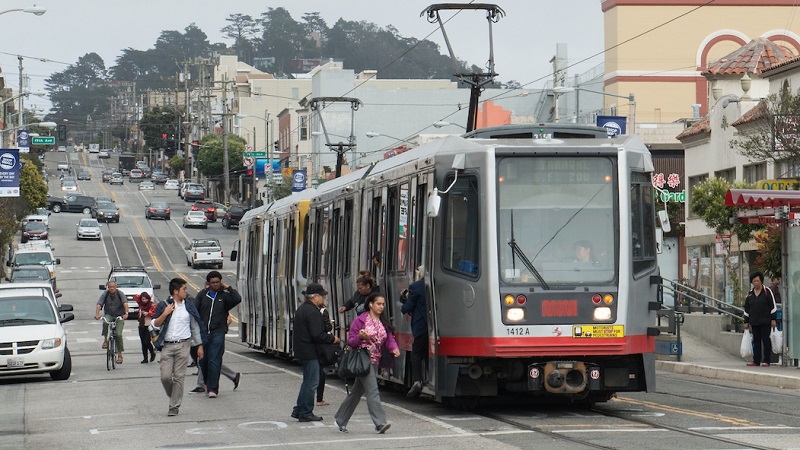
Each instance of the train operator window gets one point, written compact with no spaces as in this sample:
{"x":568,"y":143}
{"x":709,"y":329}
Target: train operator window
{"x":462,"y":227}
{"x":643,"y":242}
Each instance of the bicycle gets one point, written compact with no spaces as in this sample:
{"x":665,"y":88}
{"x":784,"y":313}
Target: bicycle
{"x":111,"y":351}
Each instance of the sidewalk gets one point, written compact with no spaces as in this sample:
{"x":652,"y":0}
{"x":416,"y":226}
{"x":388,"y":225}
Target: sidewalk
{"x":701,"y":358}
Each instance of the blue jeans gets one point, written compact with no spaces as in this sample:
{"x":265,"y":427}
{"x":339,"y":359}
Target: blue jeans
{"x":305,"y":398}
{"x":212,"y":359}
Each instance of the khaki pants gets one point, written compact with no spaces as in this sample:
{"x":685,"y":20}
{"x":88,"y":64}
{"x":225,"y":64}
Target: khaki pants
{"x":174,"y":359}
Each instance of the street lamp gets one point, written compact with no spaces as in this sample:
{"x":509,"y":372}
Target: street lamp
{"x":374,"y":134}
{"x":558,"y":90}
{"x":441,"y":124}
{"x":36,"y":10}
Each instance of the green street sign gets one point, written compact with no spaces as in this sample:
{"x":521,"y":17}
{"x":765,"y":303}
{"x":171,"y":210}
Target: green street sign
{"x":252,"y":154}
{"x":44,"y":140}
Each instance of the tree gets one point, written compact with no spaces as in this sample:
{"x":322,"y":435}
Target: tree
{"x":158,"y":121}
{"x":772,"y":132}
{"x":210,"y":157}
{"x":708,"y":202}
{"x":80,"y":90}
{"x":176,"y":164}
{"x":769,"y":251}
{"x":282,"y":190}
{"x":32,"y":189}
{"x":283,"y":38}
{"x":243,"y":29}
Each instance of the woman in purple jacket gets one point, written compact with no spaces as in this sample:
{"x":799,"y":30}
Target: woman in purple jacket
{"x":372,"y":330}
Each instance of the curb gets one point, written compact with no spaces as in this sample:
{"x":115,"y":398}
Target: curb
{"x":750,"y":377}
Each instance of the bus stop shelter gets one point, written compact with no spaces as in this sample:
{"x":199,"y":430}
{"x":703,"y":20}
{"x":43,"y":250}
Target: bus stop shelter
{"x":783,"y":208}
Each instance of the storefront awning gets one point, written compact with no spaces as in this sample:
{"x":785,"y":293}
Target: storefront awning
{"x":761,"y":198}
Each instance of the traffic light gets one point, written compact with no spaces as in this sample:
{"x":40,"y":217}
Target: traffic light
{"x":195,"y":145}
{"x":164,"y":140}
{"x":62,"y":132}
{"x":249,"y":172}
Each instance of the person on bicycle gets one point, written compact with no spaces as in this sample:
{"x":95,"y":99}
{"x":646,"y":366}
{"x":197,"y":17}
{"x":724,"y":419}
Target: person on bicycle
{"x":113,"y":304}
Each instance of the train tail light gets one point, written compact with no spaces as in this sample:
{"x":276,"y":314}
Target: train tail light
{"x":596,"y":299}
{"x":521,"y":299}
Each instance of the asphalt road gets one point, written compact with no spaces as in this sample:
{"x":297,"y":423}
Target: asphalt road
{"x":126,"y":407}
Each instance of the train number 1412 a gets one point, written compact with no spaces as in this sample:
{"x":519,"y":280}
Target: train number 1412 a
{"x":518,"y":331}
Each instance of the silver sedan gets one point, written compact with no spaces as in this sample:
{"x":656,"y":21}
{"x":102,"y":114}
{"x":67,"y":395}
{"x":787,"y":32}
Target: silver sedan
{"x":195,"y":219}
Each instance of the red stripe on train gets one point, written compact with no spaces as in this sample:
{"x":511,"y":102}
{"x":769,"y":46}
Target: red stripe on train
{"x":506,"y":347}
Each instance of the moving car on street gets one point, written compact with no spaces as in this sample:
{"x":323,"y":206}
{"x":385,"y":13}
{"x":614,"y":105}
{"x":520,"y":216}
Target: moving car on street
{"x":171,"y":185}
{"x":132,"y":280}
{"x":34,"y":231}
{"x":88,"y":229}
{"x":195,"y":219}
{"x":208,"y":209}
{"x":157,"y":209}
{"x":106,"y":212}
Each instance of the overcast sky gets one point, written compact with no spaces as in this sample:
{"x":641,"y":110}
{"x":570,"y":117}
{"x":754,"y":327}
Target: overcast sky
{"x":525,"y":39}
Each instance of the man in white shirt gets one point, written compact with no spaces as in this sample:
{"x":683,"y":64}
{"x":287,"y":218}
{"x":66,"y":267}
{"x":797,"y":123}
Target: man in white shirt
{"x":180,"y":329}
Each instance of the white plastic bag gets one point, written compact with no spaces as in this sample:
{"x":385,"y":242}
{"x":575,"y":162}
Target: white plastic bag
{"x":776,"y":337}
{"x":747,"y":344}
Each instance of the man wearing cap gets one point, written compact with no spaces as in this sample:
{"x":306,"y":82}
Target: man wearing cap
{"x":309,"y":332}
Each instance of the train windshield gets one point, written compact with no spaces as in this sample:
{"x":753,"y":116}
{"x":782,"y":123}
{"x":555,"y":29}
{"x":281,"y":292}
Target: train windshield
{"x":556,"y":220}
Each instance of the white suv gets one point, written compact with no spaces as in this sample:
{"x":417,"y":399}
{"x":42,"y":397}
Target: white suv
{"x":35,"y":252}
{"x":32,"y":339}
{"x":132,"y":281}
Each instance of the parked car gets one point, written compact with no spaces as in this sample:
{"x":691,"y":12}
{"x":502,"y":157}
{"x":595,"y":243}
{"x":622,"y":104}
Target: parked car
{"x":88,"y":229}
{"x":105,"y":212}
{"x":41,"y":215}
{"x":233,"y":216}
{"x":31,"y":333}
{"x":84,"y":176}
{"x":35,"y":252}
{"x":182,"y":189}
{"x":32,"y":272}
{"x":208,"y":209}
{"x":76,"y":203}
{"x":157,"y":209}
{"x":146,"y":186}
{"x":172,"y":185}
{"x":195,"y":219}
{"x":194,"y":191}
{"x":116,"y":178}
{"x":34,"y":231}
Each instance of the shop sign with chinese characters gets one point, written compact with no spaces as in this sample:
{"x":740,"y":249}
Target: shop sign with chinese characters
{"x":673,"y":180}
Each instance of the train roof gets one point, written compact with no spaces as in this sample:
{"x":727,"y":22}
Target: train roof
{"x":529,"y":131}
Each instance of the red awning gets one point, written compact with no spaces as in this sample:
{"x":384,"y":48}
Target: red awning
{"x":761,"y":198}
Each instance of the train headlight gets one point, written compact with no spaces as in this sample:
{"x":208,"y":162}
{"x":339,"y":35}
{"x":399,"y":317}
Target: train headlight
{"x":515,"y":314}
{"x":602,"y":313}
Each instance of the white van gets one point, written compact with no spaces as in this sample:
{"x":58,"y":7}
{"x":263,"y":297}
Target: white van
{"x":32,"y":339}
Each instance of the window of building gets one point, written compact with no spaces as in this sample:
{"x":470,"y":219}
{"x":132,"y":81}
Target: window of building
{"x":728,"y":175}
{"x":788,"y":168}
{"x":755,"y":172}
{"x":694,"y":181}
{"x":303,"y":128}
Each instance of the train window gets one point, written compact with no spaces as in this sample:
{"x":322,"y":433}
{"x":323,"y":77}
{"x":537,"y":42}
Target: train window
{"x":643,"y":242}
{"x":556,"y":219}
{"x":462,"y":227}
{"x":402,"y":228}
{"x":306,"y":247}
{"x":392,"y":236}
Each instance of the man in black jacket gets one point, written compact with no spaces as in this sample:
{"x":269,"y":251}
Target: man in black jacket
{"x":213,"y":303}
{"x":309,"y":332}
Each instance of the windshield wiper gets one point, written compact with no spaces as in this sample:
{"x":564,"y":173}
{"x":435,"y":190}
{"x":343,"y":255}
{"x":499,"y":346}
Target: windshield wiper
{"x":521,"y":255}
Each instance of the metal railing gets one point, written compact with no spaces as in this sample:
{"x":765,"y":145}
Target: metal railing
{"x":688,"y":300}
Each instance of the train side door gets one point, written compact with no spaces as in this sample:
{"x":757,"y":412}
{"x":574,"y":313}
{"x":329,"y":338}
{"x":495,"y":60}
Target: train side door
{"x":424,"y":253}
{"x":271,"y":309}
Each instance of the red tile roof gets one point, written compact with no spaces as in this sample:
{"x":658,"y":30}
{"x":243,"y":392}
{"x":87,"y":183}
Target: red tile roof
{"x":758,"y":112}
{"x":756,"y":56}
{"x":703,"y":126}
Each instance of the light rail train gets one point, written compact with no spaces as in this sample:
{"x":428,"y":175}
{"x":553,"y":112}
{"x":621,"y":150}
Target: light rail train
{"x":513,"y":310}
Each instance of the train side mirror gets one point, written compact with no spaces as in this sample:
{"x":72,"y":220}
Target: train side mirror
{"x":434,"y":203}
{"x":234,"y":254}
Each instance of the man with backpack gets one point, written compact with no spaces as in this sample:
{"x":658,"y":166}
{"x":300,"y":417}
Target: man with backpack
{"x":113,"y":304}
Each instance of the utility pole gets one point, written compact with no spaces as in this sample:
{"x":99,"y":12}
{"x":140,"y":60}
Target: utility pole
{"x":20,"y":93}
{"x":187,"y":152}
{"x":255,"y":171}
{"x":225,"y":116}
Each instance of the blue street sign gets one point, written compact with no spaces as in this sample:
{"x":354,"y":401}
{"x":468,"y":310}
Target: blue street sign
{"x":10,"y":167}
{"x":298,"y":180}
{"x":614,"y":125}
{"x":23,"y":141}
